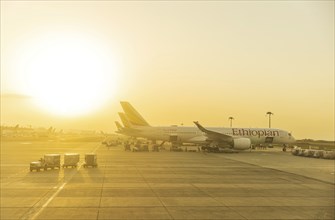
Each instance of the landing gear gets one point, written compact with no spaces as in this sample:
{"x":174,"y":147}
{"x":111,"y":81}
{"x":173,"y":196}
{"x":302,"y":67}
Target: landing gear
{"x":284,"y":147}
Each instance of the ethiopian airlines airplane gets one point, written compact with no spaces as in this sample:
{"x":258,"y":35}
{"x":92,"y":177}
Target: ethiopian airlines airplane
{"x":216,"y":137}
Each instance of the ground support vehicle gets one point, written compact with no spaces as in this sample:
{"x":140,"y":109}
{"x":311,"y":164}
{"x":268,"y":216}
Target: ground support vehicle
{"x":192,"y":149}
{"x":295,"y":150}
{"x":328,"y":155}
{"x":36,"y":165}
{"x":127,"y":147}
{"x":155,"y":147}
{"x":318,"y":153}
{"x":144,"y":147}
{"x":71,"y":160}
{"x":90,"y":160}
{"x":176,"y":147}
{"x":325,"y":154}
{"x":51,"y":161}
{"x":141,"y":147}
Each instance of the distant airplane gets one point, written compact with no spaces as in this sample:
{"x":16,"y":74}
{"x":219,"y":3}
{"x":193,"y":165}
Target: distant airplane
{"x":209,"y":138}
{"x":21,"y":131}
{"x":128,"y":129}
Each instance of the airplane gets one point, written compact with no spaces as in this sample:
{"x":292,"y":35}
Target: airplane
{"x":124,"y":130}
{"x":211,"y":139}
{"x":128,"y":128}
{"x":18,"y":131}
{"x":240,"y":138}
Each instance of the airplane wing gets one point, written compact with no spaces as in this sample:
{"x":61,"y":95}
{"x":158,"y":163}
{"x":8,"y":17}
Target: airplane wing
{"x":213,"y":135}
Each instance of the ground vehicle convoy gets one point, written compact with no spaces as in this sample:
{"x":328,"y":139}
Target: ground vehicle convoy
{"x":71,"y":159}
{"x":324,"y":154}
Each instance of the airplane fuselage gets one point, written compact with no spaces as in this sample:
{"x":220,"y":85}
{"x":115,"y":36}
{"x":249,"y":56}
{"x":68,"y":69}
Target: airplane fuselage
{"x":194,"y":135}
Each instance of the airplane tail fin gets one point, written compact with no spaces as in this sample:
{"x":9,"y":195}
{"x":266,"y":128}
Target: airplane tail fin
{"x":125,"y":121}
{"x":133,"y":116}
{"x":118,"y":126}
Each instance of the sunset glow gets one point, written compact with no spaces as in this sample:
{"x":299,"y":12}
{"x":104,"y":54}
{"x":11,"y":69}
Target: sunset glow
{"x":67,"y":74}
{"x":177,"y":62}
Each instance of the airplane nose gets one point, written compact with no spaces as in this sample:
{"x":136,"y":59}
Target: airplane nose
{"x":291,"y":137}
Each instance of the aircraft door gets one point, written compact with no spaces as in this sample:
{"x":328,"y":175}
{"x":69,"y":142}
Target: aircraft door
{"x":268,"y":140}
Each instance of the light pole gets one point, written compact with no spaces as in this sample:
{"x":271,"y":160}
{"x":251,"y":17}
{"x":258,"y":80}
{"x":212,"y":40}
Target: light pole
{"x":231,"y":120}
{"x":269,"y":113}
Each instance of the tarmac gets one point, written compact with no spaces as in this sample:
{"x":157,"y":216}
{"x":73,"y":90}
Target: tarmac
{"x":261,"y":184}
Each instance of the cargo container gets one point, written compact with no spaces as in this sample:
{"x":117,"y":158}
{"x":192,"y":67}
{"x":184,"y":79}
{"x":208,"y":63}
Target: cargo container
{"x":317,"y":154}
{"x":90,"y":160}
{"x":295,"y":150}
{"x":311,"y":153}
{"x":328,"y":155}
{"x":51,"y":161}
{"x":303,"y":152}
{"x":71,"y":159}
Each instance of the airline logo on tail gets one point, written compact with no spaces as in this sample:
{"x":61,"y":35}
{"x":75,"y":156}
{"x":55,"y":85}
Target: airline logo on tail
{"x":132,"y":115}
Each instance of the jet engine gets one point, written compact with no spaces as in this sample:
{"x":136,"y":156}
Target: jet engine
{"x":241,"y":143}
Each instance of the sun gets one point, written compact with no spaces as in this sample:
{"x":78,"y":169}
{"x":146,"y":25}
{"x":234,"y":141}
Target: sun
{"x":69,"y":73}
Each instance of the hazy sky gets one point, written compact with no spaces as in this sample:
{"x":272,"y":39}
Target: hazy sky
{"x":68,"y":64}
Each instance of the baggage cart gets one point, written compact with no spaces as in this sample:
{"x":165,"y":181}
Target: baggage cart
{"x":295,"y":150}
{"x":144,"y":147}
{"x":328,"y":155}
{"x":155,"y":147}
{"x":90,"y":160}
{"x":317,"y":154}
{"x":127,"y":147}
{"x":306,"y":153}
{"x":137,"y":147}
{"x":51,"y":161}
{"x":71,"y":160}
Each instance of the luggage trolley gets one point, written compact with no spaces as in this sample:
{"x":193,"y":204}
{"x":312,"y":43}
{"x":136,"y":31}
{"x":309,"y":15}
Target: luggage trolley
{"x":51,"y":161}
{"x":71,"y":160}
{"x":90,"y":160}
